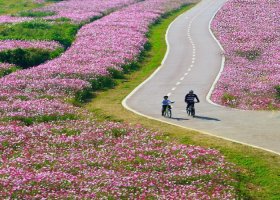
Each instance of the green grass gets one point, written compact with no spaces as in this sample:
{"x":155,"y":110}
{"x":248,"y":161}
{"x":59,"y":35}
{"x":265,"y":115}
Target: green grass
{"x":260,"y":177}
{"x":63,"y":32}
{"x":5,"y":72}
{"x":35,"y":14}
{"x":15,"y":6}
{"x":277,"y":88}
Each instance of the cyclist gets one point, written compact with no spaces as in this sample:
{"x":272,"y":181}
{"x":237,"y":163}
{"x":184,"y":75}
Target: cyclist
{"x":189,"y":99}
{"x":165,"y":103}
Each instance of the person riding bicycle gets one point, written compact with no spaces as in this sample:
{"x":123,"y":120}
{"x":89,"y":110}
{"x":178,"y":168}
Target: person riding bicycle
{"x":165,"y":104}
{"x":189,"y":99}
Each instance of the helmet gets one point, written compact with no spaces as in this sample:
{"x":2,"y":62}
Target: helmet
{"x":191,"y":91}
{"x":165,"y":96}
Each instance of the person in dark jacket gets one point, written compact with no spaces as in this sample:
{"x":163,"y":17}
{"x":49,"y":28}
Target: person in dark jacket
{"x":190,"y":97}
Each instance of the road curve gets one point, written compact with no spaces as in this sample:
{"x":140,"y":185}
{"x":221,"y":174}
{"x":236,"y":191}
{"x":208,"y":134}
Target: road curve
{"x":194,"y":61}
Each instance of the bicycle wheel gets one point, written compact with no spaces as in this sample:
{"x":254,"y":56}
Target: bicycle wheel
{"x":188,"y":111}
{"x":193,"y":112}
{"x":167,"y":113}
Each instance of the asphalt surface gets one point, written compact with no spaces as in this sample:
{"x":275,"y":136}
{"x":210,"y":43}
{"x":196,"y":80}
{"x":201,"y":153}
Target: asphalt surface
{"x":193,"y":61}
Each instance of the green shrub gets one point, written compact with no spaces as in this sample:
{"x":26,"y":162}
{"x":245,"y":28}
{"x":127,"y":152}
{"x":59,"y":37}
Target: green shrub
{"x":250,"y":55}
{"x":277,"y":88}
{"x":102,"y":82}
{"x":83,"y":95}
{"x":26,"y":58}
{"x":131,"y":67}
{"x":116,"y":73}
{"x":36,"y":13}
{"x":229,"y":99}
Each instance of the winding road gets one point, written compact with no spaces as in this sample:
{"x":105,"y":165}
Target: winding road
{"x":194,"y":61}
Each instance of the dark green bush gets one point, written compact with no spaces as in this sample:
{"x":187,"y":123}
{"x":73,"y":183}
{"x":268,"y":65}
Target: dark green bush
{"x":277,"y":88}
{"x":250,"y":55}
{"x":26,"y":58}
{"x":102,"y":82}
{"x":131,"y":67}
{"x":83,"y":95}
{"x":116,"y":73}
{"x":35,"y":14}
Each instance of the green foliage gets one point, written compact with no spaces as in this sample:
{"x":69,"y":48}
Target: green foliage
{"x":277,"y":88}
{"x":62,"y":19}
{"x":62,"y":32}
{"x":117,"y":74}
{"x":102,"y":82}
{"x":39,"y":119}
{"x":116,"y":132}
{"x":26,"y":58}
{"x":229,"y":99}
{"x":35,"y":14}
{"x":132,"y":66}
{"x":53,"y":0}
{"x":15,"y":6}
{"x":250,"y":54}
{"x":22,"y":97}
{"x":83,"y":95}
{"x":5,"y":72}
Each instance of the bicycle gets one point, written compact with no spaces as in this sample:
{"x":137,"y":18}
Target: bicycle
{"x":191,"y":110}
{"x":167,"y":112}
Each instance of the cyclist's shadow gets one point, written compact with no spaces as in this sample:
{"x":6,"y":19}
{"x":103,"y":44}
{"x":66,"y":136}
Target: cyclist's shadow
{"x":179,"y":118}
{"x":206,"y":118}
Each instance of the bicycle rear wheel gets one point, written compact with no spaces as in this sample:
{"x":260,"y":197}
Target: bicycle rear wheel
{"x":193,"y":112}
{"x":188,"y":111}
{"x":168,"y":113}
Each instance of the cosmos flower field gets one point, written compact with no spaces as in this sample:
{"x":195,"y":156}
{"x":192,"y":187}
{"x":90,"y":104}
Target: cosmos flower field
{"x":249,"y":33}
{"x":89,"y":160}
{"x":49,"y":151}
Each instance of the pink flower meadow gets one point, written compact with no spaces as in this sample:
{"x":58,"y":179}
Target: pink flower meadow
{"x":14,"y":44}
{"x":249,"y":33}
{"x":89,"y":160}
{"x":110,"y":42}
{"x":84,"y":10}
{"x":11,"y":19}
{"x":34,"y":108}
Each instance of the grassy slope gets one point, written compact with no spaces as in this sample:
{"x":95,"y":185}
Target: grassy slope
{"x":261,"y":170}
{"x":15,"y":6}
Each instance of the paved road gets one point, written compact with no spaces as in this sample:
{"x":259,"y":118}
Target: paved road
{"x":193,"y":61}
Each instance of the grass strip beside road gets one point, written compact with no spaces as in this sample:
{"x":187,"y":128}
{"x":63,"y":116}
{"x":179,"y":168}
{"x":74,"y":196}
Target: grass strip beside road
{"x":260,"y":177}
